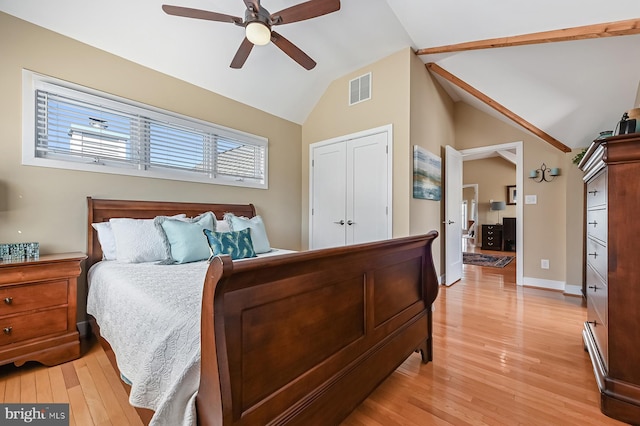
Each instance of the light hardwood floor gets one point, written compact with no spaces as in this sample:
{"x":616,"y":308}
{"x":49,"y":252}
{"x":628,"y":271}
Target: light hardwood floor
{"x":504,"y":355}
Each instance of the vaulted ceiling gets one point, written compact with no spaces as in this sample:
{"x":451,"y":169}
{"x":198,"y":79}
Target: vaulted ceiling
{"x":569,"y":90}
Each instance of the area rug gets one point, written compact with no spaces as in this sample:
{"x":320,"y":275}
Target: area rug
{"x":480,"y":259}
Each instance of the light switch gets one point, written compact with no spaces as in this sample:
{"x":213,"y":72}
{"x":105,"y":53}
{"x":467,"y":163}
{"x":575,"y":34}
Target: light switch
{"x":531,"y":199}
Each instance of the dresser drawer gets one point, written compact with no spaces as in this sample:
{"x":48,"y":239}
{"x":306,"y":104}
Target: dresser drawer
{"x":597,"y":191}
{"x":597,"y":224}
{"x":597,"y":294}
{"x":23,"y":327}
{"x":597,"y":257}
{"x":599,"y":331}
{"x":16,"y":299}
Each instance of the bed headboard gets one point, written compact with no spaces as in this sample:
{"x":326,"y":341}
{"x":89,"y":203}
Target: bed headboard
{"x":103,"y":210}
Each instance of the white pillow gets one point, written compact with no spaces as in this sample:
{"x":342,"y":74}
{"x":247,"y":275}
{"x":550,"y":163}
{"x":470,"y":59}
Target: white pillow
{"x":138,"y":240}
{"x":106,"y":239}
{"x":258,"y":232}
{"x":222,"y":226}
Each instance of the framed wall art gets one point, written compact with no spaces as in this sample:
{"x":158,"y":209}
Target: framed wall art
{"x":427,"y":175}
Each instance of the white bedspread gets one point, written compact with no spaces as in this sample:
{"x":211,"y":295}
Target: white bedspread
{"x":150,"y":314}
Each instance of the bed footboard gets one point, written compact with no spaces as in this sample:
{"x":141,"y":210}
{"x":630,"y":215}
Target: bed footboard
{"x":304,"y":338}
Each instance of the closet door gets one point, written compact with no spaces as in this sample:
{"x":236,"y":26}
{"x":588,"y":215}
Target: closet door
{"x":349,"y":193}
{"x":367,"y":186}
{"x":328,"y":196}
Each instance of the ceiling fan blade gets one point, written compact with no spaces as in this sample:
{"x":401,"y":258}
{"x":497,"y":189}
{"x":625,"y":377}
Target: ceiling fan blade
{"x":307,"y":10}
{"x":242,"y":54}
{"x":293,"y":51}
{"x":200,"y":14}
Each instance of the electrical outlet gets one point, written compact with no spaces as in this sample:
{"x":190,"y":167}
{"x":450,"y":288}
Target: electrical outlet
{"x":544,"y":263}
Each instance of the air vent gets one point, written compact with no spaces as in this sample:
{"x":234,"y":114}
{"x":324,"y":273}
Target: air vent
{"x":360,"y":89}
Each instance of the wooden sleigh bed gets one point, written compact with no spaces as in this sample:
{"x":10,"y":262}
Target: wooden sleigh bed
{"x":300,"y":338}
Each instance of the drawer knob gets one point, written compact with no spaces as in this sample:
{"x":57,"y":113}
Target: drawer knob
{"x":8,"y":300}
{"x":7,"y":330}
{"x":594,"y":223}
{"x":595,"y":288}
{"x":593,"y":254}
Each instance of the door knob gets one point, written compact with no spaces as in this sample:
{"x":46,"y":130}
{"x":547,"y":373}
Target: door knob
{"x":349,"y":222}
{"x":448,"y":222}
{"x":340,"y":222}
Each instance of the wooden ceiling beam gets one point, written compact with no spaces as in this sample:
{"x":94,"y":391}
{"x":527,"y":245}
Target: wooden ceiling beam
{"x":609,"y":29}
{"x":497,"y":106}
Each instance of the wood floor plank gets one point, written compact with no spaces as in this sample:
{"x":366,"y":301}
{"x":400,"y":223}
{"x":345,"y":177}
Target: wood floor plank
{"x":28,"y":388}
{"x":92,"y":397}
{"x":3,"y":385}
{"x":69,"y":374}
{"x":58,"y":387}
{"x":43,"y":386}
{"x":116,"y":385}
{"x":77,"y":402}
{"x":109,"y":399}
{"x":12,"y":389}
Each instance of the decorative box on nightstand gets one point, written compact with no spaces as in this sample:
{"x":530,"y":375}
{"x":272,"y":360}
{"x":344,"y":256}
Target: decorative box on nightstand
{"x":38,"y":306}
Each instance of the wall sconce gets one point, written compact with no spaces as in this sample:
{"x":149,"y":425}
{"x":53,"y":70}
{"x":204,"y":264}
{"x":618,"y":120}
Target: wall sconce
{"x":544,"y":173}
{"x":497,"y":206}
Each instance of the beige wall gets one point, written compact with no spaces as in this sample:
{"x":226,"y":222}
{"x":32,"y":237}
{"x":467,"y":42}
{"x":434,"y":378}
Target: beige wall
{"x":492,"y":176}
{"x":432,"y":128}
{"x":575,"y":220}
{"x":333,"y":117}
{"x":405,"y":96}
{"x":545,"y":223}
{"x":49,"y":205}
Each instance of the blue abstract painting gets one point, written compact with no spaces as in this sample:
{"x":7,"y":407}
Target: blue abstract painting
{"x":427,"y":175}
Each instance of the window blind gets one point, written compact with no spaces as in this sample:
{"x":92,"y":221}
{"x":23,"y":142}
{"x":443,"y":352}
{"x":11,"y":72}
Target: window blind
{"x":78,"y":127}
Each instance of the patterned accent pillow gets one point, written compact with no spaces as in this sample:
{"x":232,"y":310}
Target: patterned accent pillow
{"x":236,"y":244}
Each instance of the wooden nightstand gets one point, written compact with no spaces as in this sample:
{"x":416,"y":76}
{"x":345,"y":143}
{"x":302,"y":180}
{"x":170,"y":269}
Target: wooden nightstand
{"x":38,"y":306}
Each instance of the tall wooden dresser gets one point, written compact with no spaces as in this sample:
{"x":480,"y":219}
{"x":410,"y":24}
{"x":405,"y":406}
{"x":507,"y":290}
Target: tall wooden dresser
{"x":612,"y":272}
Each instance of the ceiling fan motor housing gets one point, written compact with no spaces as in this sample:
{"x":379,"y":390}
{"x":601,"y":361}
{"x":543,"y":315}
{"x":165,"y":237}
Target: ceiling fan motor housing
{"x":262,"y":16}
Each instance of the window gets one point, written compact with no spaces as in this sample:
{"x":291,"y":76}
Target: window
{"x":71,"y":127}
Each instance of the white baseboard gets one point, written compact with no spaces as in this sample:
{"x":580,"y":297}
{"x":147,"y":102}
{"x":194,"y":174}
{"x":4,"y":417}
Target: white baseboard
{"x":542,"y":283}
{"x":441,"y":279}
{"x":84,"y":328}
{"x":574,"y":290}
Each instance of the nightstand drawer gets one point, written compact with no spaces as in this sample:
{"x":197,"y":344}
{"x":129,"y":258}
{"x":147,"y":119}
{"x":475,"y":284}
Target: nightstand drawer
{"x":23,"y":327}
{"x":16,"y":299}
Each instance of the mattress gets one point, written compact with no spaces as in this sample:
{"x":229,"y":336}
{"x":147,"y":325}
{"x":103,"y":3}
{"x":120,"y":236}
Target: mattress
{"x":150,"y":315}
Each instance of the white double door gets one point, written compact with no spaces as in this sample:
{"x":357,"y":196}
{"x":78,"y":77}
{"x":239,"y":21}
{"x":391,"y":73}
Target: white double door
{"x":350,"y":191}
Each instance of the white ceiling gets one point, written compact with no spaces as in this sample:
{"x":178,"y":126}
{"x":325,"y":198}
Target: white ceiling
{"x":571,"y":90}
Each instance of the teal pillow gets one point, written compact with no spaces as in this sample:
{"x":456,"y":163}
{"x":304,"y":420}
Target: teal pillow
{"x":184,"y":237}
{"x":258,"y":232}
{"x":236,"y":244}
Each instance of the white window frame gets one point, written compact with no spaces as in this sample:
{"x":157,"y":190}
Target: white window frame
{"x":31,"y":82}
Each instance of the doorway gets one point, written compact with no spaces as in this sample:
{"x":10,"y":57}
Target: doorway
{"x":469,"y":215}
{"x":515,"y":150}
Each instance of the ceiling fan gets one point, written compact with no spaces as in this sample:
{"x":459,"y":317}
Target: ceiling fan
{"x":258,"y":22}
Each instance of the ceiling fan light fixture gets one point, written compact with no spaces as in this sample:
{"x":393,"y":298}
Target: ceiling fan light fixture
{"x":258,"y":33}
